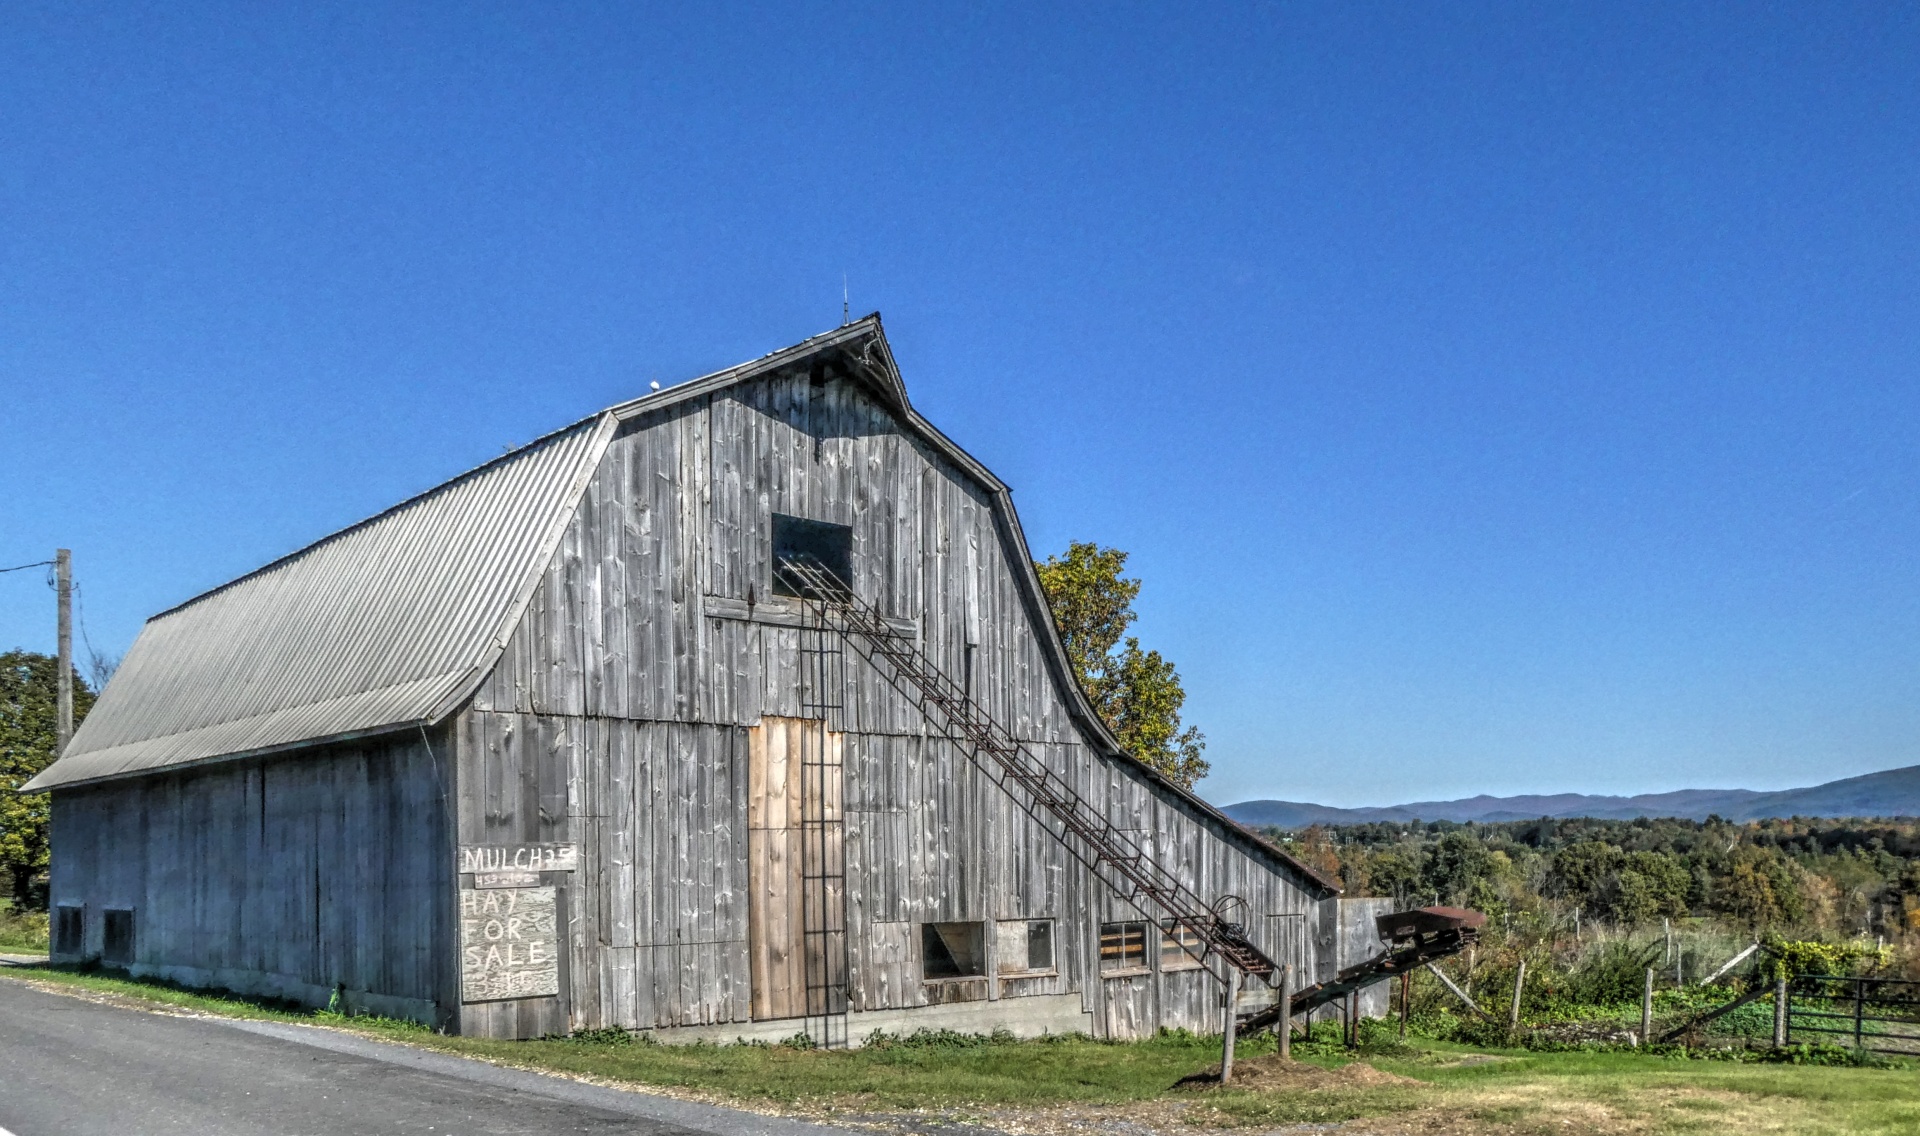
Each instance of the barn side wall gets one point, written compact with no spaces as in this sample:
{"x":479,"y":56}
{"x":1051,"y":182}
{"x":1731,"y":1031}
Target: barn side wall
{"x":295,"y":877}
{"x":617,"y":719}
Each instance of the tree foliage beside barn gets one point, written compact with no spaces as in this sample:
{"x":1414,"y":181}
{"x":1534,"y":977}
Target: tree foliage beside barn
{"x":1136,"y":692}
{"x":28,"y":728}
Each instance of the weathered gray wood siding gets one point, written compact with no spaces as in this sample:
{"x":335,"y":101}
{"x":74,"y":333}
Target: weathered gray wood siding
{"x":293,"y":877}
{"x":616,"y":719}
{"x":1359,"y":940}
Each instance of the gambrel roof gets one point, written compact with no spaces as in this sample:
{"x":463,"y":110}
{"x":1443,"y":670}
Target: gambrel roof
{"x":392,"y":623}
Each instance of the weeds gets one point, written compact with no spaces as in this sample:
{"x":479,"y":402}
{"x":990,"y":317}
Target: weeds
{"x":24,"y":931}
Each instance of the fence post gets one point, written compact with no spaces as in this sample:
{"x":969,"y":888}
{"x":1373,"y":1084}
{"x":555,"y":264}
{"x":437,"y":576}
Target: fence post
{"x":1286,"y":1012}
{"x":1513,"y":1011}
{"x":1859,"y":1006}
{"x":1646,"y":1009}
{"x":1780,"y":1012}
{"x":1232,"y":1025}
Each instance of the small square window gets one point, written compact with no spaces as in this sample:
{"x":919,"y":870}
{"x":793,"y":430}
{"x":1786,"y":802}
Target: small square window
{"x":952,"y":950}
{"x":1024,"y":946}
{"x":1123,"y":947}
{"x":817,"y":544}
{"x":1181,"y":947}
{"x":117,"y":944}
{"x":69,"y":930}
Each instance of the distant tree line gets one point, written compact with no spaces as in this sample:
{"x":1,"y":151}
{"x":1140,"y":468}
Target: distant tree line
{"x":1844,"y":877}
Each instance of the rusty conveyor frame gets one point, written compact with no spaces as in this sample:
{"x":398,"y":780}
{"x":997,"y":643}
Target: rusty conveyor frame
{"x":1419,"y":951}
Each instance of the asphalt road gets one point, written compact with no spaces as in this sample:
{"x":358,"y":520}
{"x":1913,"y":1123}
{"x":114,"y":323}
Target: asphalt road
{"x":70,"y":1067}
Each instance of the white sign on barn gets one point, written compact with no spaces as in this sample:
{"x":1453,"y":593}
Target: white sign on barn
{"x":509,"y":944}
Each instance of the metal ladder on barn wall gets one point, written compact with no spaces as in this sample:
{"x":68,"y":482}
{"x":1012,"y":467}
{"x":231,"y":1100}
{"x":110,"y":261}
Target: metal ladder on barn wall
{"x":1051,"y":800}
{"x":823,"y":854}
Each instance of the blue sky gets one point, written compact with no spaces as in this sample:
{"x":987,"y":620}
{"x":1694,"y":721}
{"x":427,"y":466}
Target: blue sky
{"x":1493,"y":397}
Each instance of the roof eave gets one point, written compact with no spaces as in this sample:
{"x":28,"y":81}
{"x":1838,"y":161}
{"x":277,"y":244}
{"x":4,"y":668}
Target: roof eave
{"x":282,"y":749}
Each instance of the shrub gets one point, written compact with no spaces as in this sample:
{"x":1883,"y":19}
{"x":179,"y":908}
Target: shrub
{"x":1614,"y":974}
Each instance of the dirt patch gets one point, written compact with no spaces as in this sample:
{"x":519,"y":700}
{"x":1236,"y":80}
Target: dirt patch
{"x":1471,"y":1060}
{"x":1140,"y":1118}
{"x":1274,"y":1073}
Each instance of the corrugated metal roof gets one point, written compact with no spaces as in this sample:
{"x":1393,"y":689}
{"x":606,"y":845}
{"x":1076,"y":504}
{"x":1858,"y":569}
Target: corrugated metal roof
{"x":374,"y":627}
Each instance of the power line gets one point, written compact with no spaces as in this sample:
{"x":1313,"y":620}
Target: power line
{"x":80,"y":610}
{"x":24,"y":567}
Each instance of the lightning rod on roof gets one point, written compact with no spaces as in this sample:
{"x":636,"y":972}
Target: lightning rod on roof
{"x":846,"y":307}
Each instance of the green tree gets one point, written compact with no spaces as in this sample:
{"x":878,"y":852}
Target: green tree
{"x":28,"y":727}
{"x":1583,"y":872}
{"x":1456,"y":862}
{"x":1646,"y":886}
{"x":1136,"y":692}
{"x":1394,"y":871}
{"x":1760,"y":891}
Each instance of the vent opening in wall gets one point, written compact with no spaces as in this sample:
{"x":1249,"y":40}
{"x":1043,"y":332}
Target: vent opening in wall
{"x":821,"y":544}
{"x":116,"y":945}
{"x":952,"y":950}
{"x":69,"y":930}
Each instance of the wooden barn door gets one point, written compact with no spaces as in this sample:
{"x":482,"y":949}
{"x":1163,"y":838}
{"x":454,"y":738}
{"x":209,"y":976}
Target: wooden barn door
{"x":796,"y":902}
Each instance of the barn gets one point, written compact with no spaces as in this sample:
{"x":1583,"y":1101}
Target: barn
{"x":734,"y":711}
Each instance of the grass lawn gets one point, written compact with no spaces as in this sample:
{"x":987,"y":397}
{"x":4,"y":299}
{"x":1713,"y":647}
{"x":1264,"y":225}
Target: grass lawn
{"x":1050,"y":1085}
{"x":23,"y":932}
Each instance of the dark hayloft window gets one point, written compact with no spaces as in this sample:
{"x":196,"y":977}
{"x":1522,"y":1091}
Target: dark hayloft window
{"x":117,"y":945}
{"x":69,"y":930}
{"x":820,"y":544}
{"x":952,"y":950}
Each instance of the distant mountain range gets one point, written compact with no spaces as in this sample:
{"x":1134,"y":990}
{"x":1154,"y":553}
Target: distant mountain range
{"x":1895,"y":792}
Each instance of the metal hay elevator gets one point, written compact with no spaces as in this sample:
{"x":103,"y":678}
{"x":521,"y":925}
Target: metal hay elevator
{"x":1113,"y":856}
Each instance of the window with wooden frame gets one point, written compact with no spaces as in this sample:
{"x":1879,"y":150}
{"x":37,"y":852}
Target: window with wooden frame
{"x":1024,"y":947}
{"x":952,"y":950}
{"x":1039,"y":944}
{"x":1181,"y":947}
{"x":1123,"y":947}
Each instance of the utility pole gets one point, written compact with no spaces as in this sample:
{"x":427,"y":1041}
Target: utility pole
{"x":63,"y":577}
